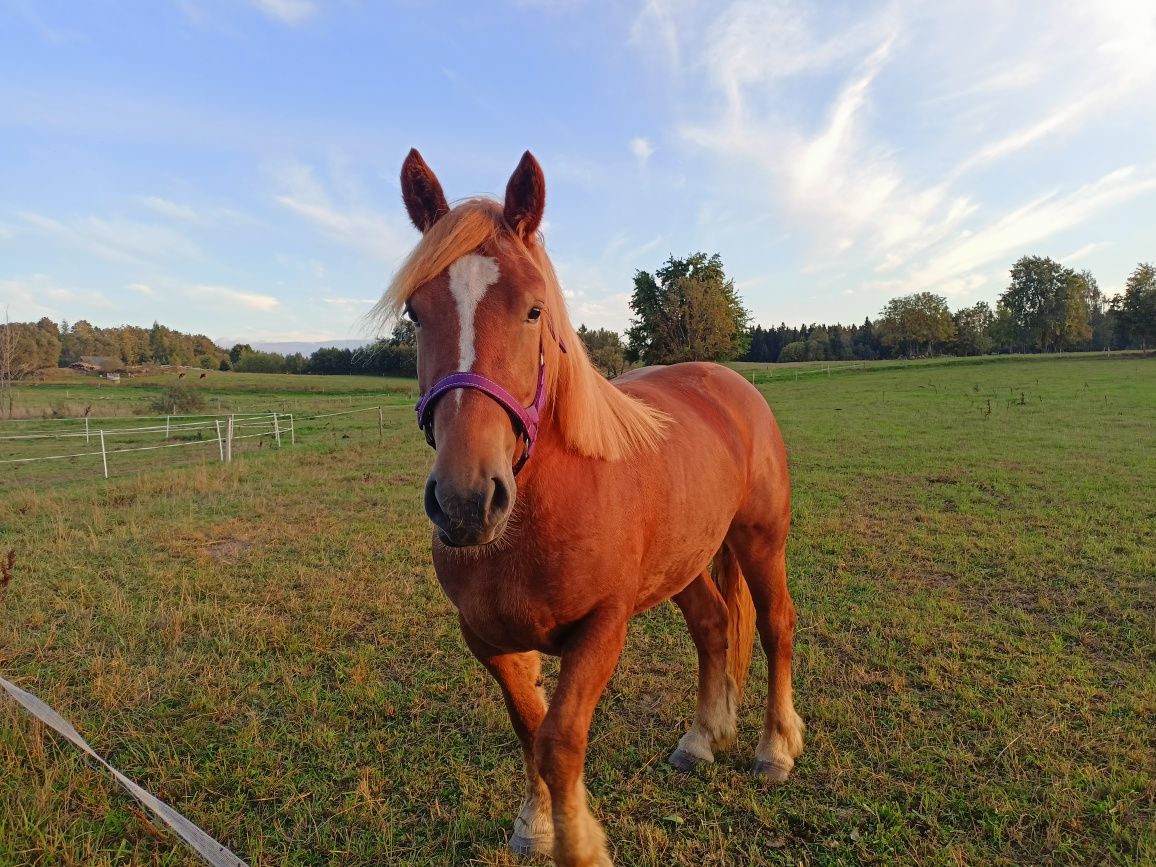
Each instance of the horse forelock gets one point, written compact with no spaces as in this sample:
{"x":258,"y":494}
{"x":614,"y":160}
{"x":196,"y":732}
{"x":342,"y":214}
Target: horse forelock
{"x":594,"y":417}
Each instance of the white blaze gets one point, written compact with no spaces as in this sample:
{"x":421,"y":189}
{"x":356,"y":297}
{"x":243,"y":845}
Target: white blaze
{"x":470,"y":277}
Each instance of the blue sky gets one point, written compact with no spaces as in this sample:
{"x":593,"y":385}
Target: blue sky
{"x":229,"y":166}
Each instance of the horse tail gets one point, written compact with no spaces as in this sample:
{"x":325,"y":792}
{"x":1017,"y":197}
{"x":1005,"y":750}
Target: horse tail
{"x":741,"y":615}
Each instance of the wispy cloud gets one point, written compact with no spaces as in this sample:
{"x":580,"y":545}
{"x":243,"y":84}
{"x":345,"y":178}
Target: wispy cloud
{"x":114,"y":239}
{"x":1085,"y":251}
{"x":338,"y":209}
{"x":40,"y":295}
{"x":248,"y":300}
{"x":855,"y":188}
{"x":170,"y":209}
{"x":290,"y":12}
{"x":1025,"y":227}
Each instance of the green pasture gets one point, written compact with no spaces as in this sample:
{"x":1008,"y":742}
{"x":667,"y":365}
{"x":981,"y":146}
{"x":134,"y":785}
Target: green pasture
{"x":54,"y":434}
{"x":263,"y":645}
{"x":66,"y":393}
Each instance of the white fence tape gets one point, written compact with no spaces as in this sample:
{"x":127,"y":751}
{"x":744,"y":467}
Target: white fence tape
{"x":212,"y":852}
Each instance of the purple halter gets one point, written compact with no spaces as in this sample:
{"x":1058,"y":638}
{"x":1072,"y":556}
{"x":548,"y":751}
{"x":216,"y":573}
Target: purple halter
{"x":526,"y":418}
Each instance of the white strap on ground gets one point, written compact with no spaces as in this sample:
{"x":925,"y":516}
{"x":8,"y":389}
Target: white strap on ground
{"x":209,"y":849}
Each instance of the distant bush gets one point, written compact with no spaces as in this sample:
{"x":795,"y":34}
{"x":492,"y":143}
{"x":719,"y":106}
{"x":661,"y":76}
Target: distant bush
{"x":184,"y":397}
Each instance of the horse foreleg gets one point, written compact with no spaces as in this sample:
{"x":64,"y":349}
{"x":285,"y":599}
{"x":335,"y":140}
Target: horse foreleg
{"x":518,"y":676}
{"x":589,"y":657}
{"x":714,"y":717}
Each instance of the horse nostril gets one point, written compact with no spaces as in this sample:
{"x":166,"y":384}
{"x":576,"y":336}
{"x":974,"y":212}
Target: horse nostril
{"x":500,"y":500}
{"x":433,"y":508}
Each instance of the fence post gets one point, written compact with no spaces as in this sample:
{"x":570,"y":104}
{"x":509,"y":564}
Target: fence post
{"x":292,"y":430}
{"x":380,"y":426}
{"x":276,"y":430}
{"x":220,"y":442}
{"x":229,"y":441}
{"x":86,"y":437}
{"x":168,"y":419}
{"x":103,"y":453}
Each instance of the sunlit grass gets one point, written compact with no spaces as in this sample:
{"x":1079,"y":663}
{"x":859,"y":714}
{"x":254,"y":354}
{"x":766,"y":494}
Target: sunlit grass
{"x":264,"y":645}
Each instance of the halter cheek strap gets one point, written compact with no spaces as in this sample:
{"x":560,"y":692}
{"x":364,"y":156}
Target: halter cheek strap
{"x":526,"y":419}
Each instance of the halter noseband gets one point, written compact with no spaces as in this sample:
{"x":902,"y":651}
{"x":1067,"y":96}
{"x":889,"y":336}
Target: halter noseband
{"x":525,"y":418}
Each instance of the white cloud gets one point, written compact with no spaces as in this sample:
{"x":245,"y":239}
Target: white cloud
{"x":142,"y":288}
{"x":876,"y":131}
{"x":290,"y":12}
{"x":170,"y":209}
{"x":29,"y":298}
{"x":1085,"y":251}
{"x":642,"y":150}
{"x":656,"y":25}
{"x":1017,"y":231}
{"x":249,"y":300}
{"x":114,"y":239}
{"x":349,"y":221}
{"x":350,"y":302}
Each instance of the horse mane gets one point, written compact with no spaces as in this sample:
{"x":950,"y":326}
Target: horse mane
{"x":595,"y":418}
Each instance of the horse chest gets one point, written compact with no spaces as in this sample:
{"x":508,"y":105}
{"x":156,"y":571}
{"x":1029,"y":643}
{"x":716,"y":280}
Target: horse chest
{"x":506,"y":612}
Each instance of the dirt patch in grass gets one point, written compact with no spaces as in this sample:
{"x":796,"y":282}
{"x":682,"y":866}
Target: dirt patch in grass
{"x":224,"y":550}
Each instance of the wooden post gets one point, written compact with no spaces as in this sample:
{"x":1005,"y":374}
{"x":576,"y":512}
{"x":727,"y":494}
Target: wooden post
{"x":220,"y":441}
{"x":168,"y":419}
{"x":292,"y":430}
{"x":86,"y":437}
{"x":229,"y":441}
{"x":103,"y":453}
{"x":276,"y":430}
{"x":380,"y":426}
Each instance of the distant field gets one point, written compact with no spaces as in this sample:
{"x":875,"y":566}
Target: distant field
{"x":264,"y":644}
{"x":49,"y":440}
{"x":68,"y":393}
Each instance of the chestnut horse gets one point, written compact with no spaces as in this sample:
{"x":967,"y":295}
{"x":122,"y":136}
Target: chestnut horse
{"x":564,"y":504}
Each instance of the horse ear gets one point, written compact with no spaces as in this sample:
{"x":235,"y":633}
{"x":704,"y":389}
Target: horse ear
{"x":525,"y":197}
{"x":421,"y":192}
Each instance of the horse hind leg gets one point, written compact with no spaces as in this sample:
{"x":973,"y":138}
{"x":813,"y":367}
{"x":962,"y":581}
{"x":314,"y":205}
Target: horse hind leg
{"x":764,"y":563}
{"x":714,"y":726}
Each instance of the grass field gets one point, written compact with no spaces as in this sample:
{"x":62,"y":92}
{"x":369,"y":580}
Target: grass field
{"x":55,"y":431}
{"x":264,"y":645}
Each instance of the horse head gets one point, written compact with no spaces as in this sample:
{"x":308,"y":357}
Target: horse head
{"x":481,"y":322}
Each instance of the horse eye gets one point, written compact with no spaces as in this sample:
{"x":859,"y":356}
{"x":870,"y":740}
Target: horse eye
{"x":409,"y":314}
{"x":535,"y":313}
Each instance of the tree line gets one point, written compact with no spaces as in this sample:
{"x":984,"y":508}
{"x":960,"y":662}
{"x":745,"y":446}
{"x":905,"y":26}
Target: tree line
{"x":687,"y":309}
{"x":26,"y":347}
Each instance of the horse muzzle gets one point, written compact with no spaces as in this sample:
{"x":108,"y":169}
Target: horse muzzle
{"x":473,"y":514}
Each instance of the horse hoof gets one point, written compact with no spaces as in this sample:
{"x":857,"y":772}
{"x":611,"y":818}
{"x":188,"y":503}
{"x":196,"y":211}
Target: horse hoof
{"x":772,"y":772}
{"x":683,"y":761}
{"x":524,"y":847}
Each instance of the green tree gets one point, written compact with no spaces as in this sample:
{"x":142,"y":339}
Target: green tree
{"x":916,"y":323}
{"x":796,"y":350}
{"x":238,"y":350}
{"x":26,"y":347}
{"x":1048,"y":304}
{"x":688,"y":310}
{"x":605,"y":349}
{"x":257,"y":361}
{"x":973,"y":329}
{"x":1136,"y":309}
